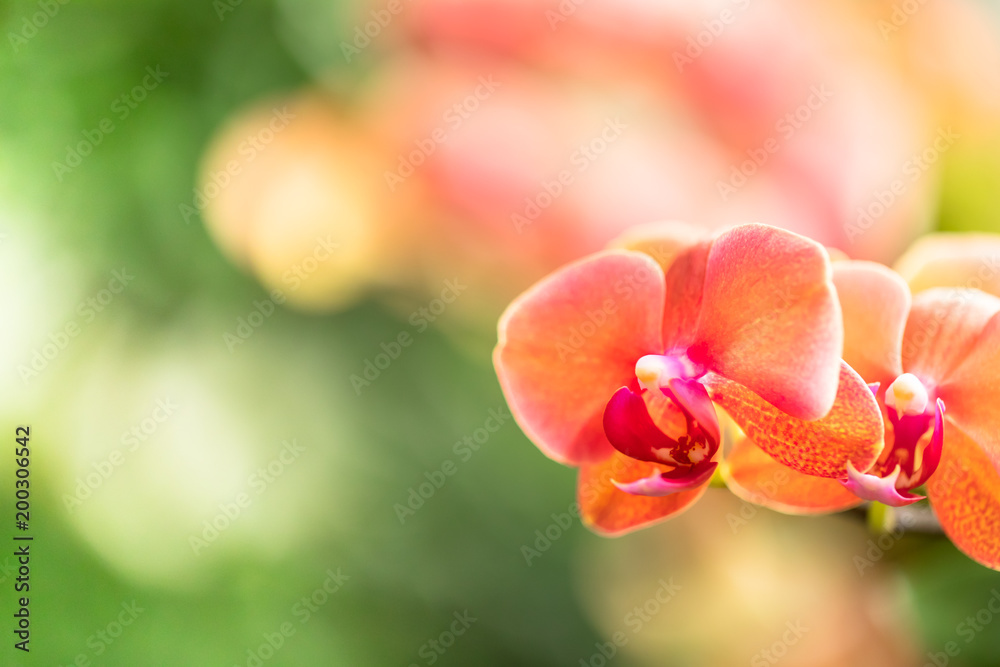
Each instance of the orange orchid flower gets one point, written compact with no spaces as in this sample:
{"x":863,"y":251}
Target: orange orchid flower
{"x":933,"y":361}
{"x":615,"y":364}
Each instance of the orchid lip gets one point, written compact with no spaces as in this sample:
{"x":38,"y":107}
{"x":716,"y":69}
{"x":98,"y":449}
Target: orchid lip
{"x":930,"y":455}
{"x":631,"y":430}
{"x":675,"y":481}
{"x":911,"y":466}
{"x":878,"y":489}
{"x":917,"y":463}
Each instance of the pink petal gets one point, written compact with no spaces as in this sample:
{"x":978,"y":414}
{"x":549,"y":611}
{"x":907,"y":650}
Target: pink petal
{"x":568,"y":343}
{"x":942,"y":330}
{"x":965,"y":495}
{"x":663,"y":241}
{"x":972,"y":392}
{"x":685,"y":284}
{"x":610,"y":511}
{"x":770,"y":319}
{"x":875,"y":302}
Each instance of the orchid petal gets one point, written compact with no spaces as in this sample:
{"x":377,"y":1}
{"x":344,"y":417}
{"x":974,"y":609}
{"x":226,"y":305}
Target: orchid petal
{"x":965,"y":495}
{"x":942,"y":330}
{"x":953,"y":260}
{"x":878,"y":489}
{"x":757,"y":478}
{"x":681,"y":250}
{"x":609,"y":511}
{"x":837,"y":255}
{"x":570,"y":341}
{"x":852,"y":431}
{"x":770,"y":319}
{"x":972,"y":392}
{"x":663,"y":241}
{"x":875,"y":302}
{"x":685,"y":286}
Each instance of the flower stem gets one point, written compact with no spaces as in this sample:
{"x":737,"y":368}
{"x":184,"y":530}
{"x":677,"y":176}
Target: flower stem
{"x":717,"y":481}
{"x":881,"y":518}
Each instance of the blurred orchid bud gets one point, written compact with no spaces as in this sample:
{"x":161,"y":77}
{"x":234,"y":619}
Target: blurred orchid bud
{"x":293,"y":192}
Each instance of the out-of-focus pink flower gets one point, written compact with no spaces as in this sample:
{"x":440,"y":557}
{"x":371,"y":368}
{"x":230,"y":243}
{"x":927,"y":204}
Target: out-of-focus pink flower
{"x":949,"y":52}
{"x":770,"y":119}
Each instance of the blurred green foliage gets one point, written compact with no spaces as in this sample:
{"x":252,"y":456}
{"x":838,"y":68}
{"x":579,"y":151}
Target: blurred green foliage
{"x":120,"y":207}
{"x":461,"y":551}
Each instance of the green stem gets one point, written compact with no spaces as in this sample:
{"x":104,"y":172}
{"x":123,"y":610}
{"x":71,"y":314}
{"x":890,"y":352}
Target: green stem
{"x":717,"y":481}
{"x":881,"y":518}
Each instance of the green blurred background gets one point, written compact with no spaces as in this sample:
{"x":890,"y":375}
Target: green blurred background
{"x":334,"y":508}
